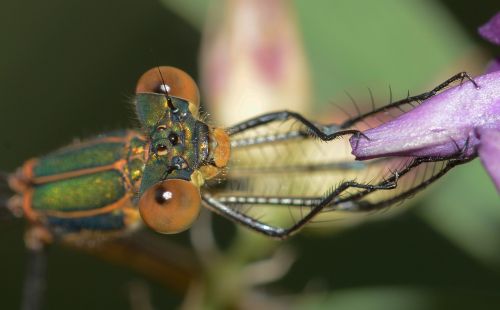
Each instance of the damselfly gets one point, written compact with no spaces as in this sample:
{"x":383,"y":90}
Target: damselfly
{"x":273,"y":173}
{"x":90,"y":190}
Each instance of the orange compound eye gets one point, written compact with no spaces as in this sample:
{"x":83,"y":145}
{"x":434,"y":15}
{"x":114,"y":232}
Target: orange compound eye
{"x":170,"y":206}
{"x":177,"y":82}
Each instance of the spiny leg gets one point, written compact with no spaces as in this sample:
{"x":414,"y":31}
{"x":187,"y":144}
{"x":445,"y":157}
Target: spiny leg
{"x":325,"y":133}
{"x":36,"y":240}
{"x":346,"y":203}
{"x":330,"y":132}
{"x":283,"y":233}
{"x":458,"y":158}
{"x":424,"y":96}
{"x":355,"y":205}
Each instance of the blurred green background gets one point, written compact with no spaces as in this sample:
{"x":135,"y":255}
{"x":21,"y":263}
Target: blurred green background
{"x":68,"y":69}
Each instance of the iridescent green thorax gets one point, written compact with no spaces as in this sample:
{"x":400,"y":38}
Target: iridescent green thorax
{"x":178,"y":141}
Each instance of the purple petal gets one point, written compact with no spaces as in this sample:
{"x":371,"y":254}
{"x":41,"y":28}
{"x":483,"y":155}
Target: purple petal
{"x":439,"y":126}
{"x":491,"y":30}
{"x":493,"y":66}
{"x":489,"y":152}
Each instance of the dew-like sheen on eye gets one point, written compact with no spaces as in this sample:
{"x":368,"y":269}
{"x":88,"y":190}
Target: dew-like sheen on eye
{"x":170,"y":206}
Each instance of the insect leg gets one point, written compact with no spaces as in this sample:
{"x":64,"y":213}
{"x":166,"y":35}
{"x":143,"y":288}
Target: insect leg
{"x":34,"y":282}
{"x":283,"y":233}
{"x":424,"y":96}
{"x":36,"y":241}
{"x":325,"y":134}
{"x":367,"y":206}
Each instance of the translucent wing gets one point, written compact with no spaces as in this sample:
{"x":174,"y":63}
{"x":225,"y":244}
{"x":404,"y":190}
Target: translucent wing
{"x":281,"y":172}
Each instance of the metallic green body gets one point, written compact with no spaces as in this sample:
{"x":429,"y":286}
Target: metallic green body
{"x":158,"y":123}
{"x":85,"y":192}
{"x":87,"y":186}
{"x":92,"y":187}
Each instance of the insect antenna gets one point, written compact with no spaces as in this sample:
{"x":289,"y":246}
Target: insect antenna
{"x":165,"y":88}
{"x":169,"y":170}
